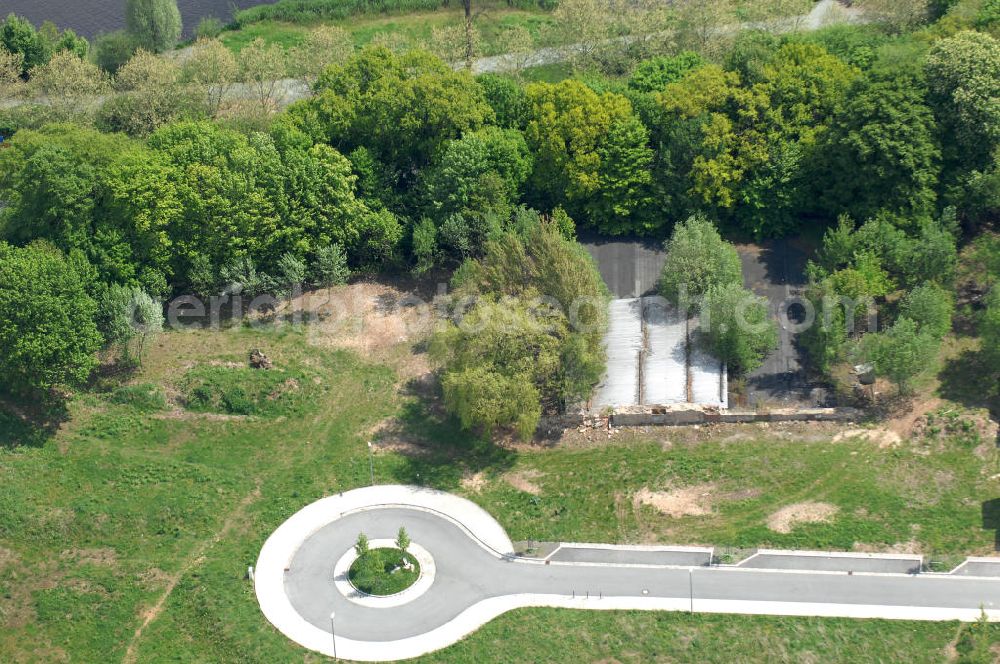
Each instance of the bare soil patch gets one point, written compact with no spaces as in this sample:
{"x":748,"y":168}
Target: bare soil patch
{"x":884,"y":438}
{"x":97,"y":556}
{"x":474,"y":483}
{"x":524,"y":480}
{"x":787,"y":518}
{"x":377,"y":321}
{"x":688,"y":501}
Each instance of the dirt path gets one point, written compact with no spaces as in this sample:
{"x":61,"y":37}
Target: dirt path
{"x":195,"y":559}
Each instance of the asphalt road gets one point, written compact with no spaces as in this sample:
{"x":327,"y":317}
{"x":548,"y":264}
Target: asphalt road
{"x":467,"y":573}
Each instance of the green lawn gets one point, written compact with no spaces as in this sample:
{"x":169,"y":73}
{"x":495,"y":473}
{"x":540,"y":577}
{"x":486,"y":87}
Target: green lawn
{"x":379,"y":572}
{"x":928,"y":495}
{"x":414,"y":28}
{"x":133,"y":497}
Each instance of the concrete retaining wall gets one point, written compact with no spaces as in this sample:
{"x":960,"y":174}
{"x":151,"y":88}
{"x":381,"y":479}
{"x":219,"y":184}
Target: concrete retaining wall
{"x":664,"y":417}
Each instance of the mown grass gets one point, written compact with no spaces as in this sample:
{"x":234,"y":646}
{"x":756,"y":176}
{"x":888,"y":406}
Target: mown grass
{"x":126,"y":498}
{"x":553,"y":636}
{"x":415,"y":28}
{"x":930,"y":496}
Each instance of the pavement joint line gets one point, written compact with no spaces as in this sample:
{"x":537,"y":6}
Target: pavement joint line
{"x":954,"y":603}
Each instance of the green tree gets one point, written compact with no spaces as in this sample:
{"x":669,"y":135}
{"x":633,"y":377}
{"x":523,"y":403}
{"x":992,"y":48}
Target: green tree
{"x":329,"y":267}
{"x":261,"y":66}
{"x":47,"y":332}
{"x":18,"y":35}
{"x":507,"y":99}
{"x":532,"y":340}
{"x":148,"y":95}
{"x":881,"y":152}
{"x":403,"y":108}
{"x":114,"y":49}
{"x":104,"y":195}
{"x":591,"y":156}
{"x":656,"y":73}
{"x":70,"y":85}
{"x":210,"y":67}
{"x":424,"y":245}
{"x":486,"y":399}
{"x":323,"y":46}
{"x":901,"y":353}
{"x":455,"y":182}
{"x":156,"y":24}
{"x":930,"y":307}
{"x":128,"y":318}
{"x":735,"y":327}
{"x":963,"y":73}
{"x":361,"y":544}
{"x":697,"y":259}
{"x":742,"y":146}
{"x":402,"y":539}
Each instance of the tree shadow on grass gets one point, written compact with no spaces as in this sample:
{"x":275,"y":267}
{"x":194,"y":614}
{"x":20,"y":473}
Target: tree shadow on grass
{"x":965,"y":381}
{"x":24,"y":426}
{"x":442,"y":453}
{"x":991,"y":520}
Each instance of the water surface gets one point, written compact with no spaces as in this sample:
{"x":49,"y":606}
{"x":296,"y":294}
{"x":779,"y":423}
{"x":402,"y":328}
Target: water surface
{"x":91,"y":17}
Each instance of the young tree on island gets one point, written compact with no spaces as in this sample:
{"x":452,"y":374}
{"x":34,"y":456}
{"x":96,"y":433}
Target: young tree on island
{"x":402,"y":539}
{"x":361,"y":545}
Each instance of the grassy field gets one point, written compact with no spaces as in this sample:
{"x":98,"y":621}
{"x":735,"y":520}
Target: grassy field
{"x":126,"y":533}
{"x":414,"y":29}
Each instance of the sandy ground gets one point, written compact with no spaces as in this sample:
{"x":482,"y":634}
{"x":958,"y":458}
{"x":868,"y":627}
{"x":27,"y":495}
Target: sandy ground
{"x":787,"y":518}
{"x":686,"y":501}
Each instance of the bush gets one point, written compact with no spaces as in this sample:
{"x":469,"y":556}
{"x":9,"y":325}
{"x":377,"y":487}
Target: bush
{"x":901,"y":352}
{"x":209,"y":28}
{"x":697,"y":259}
{"x":114,"y":49}
{"x":245,"y":391}
{"x":329,"y":267}
{"x":930,"y":307}
{"x":424,"y":245}
{"x":736,"y":327}
{"x":146,"y":398}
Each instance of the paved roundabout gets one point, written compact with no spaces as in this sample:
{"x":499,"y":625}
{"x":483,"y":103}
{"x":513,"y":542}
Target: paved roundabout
{"x":475,"y":576}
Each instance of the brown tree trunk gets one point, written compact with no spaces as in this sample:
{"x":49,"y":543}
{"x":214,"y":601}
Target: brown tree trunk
{"x":468,"y":33}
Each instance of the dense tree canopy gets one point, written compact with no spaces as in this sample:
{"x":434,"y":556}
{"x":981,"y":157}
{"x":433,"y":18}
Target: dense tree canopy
{"x":401,"y":107}
{"x":48,"y":337}
{"x":591,"y":155}
{"x":964,"y":74}
{"x":881,"y":152}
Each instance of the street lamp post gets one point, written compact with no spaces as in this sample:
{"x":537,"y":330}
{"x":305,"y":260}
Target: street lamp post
{"x":333,"y":634}
{"x":371,"y":461}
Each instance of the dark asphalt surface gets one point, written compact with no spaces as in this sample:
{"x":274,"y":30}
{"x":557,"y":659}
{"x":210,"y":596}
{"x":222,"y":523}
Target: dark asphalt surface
{"x":776,"y":270}
{"x":629,"y":268}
